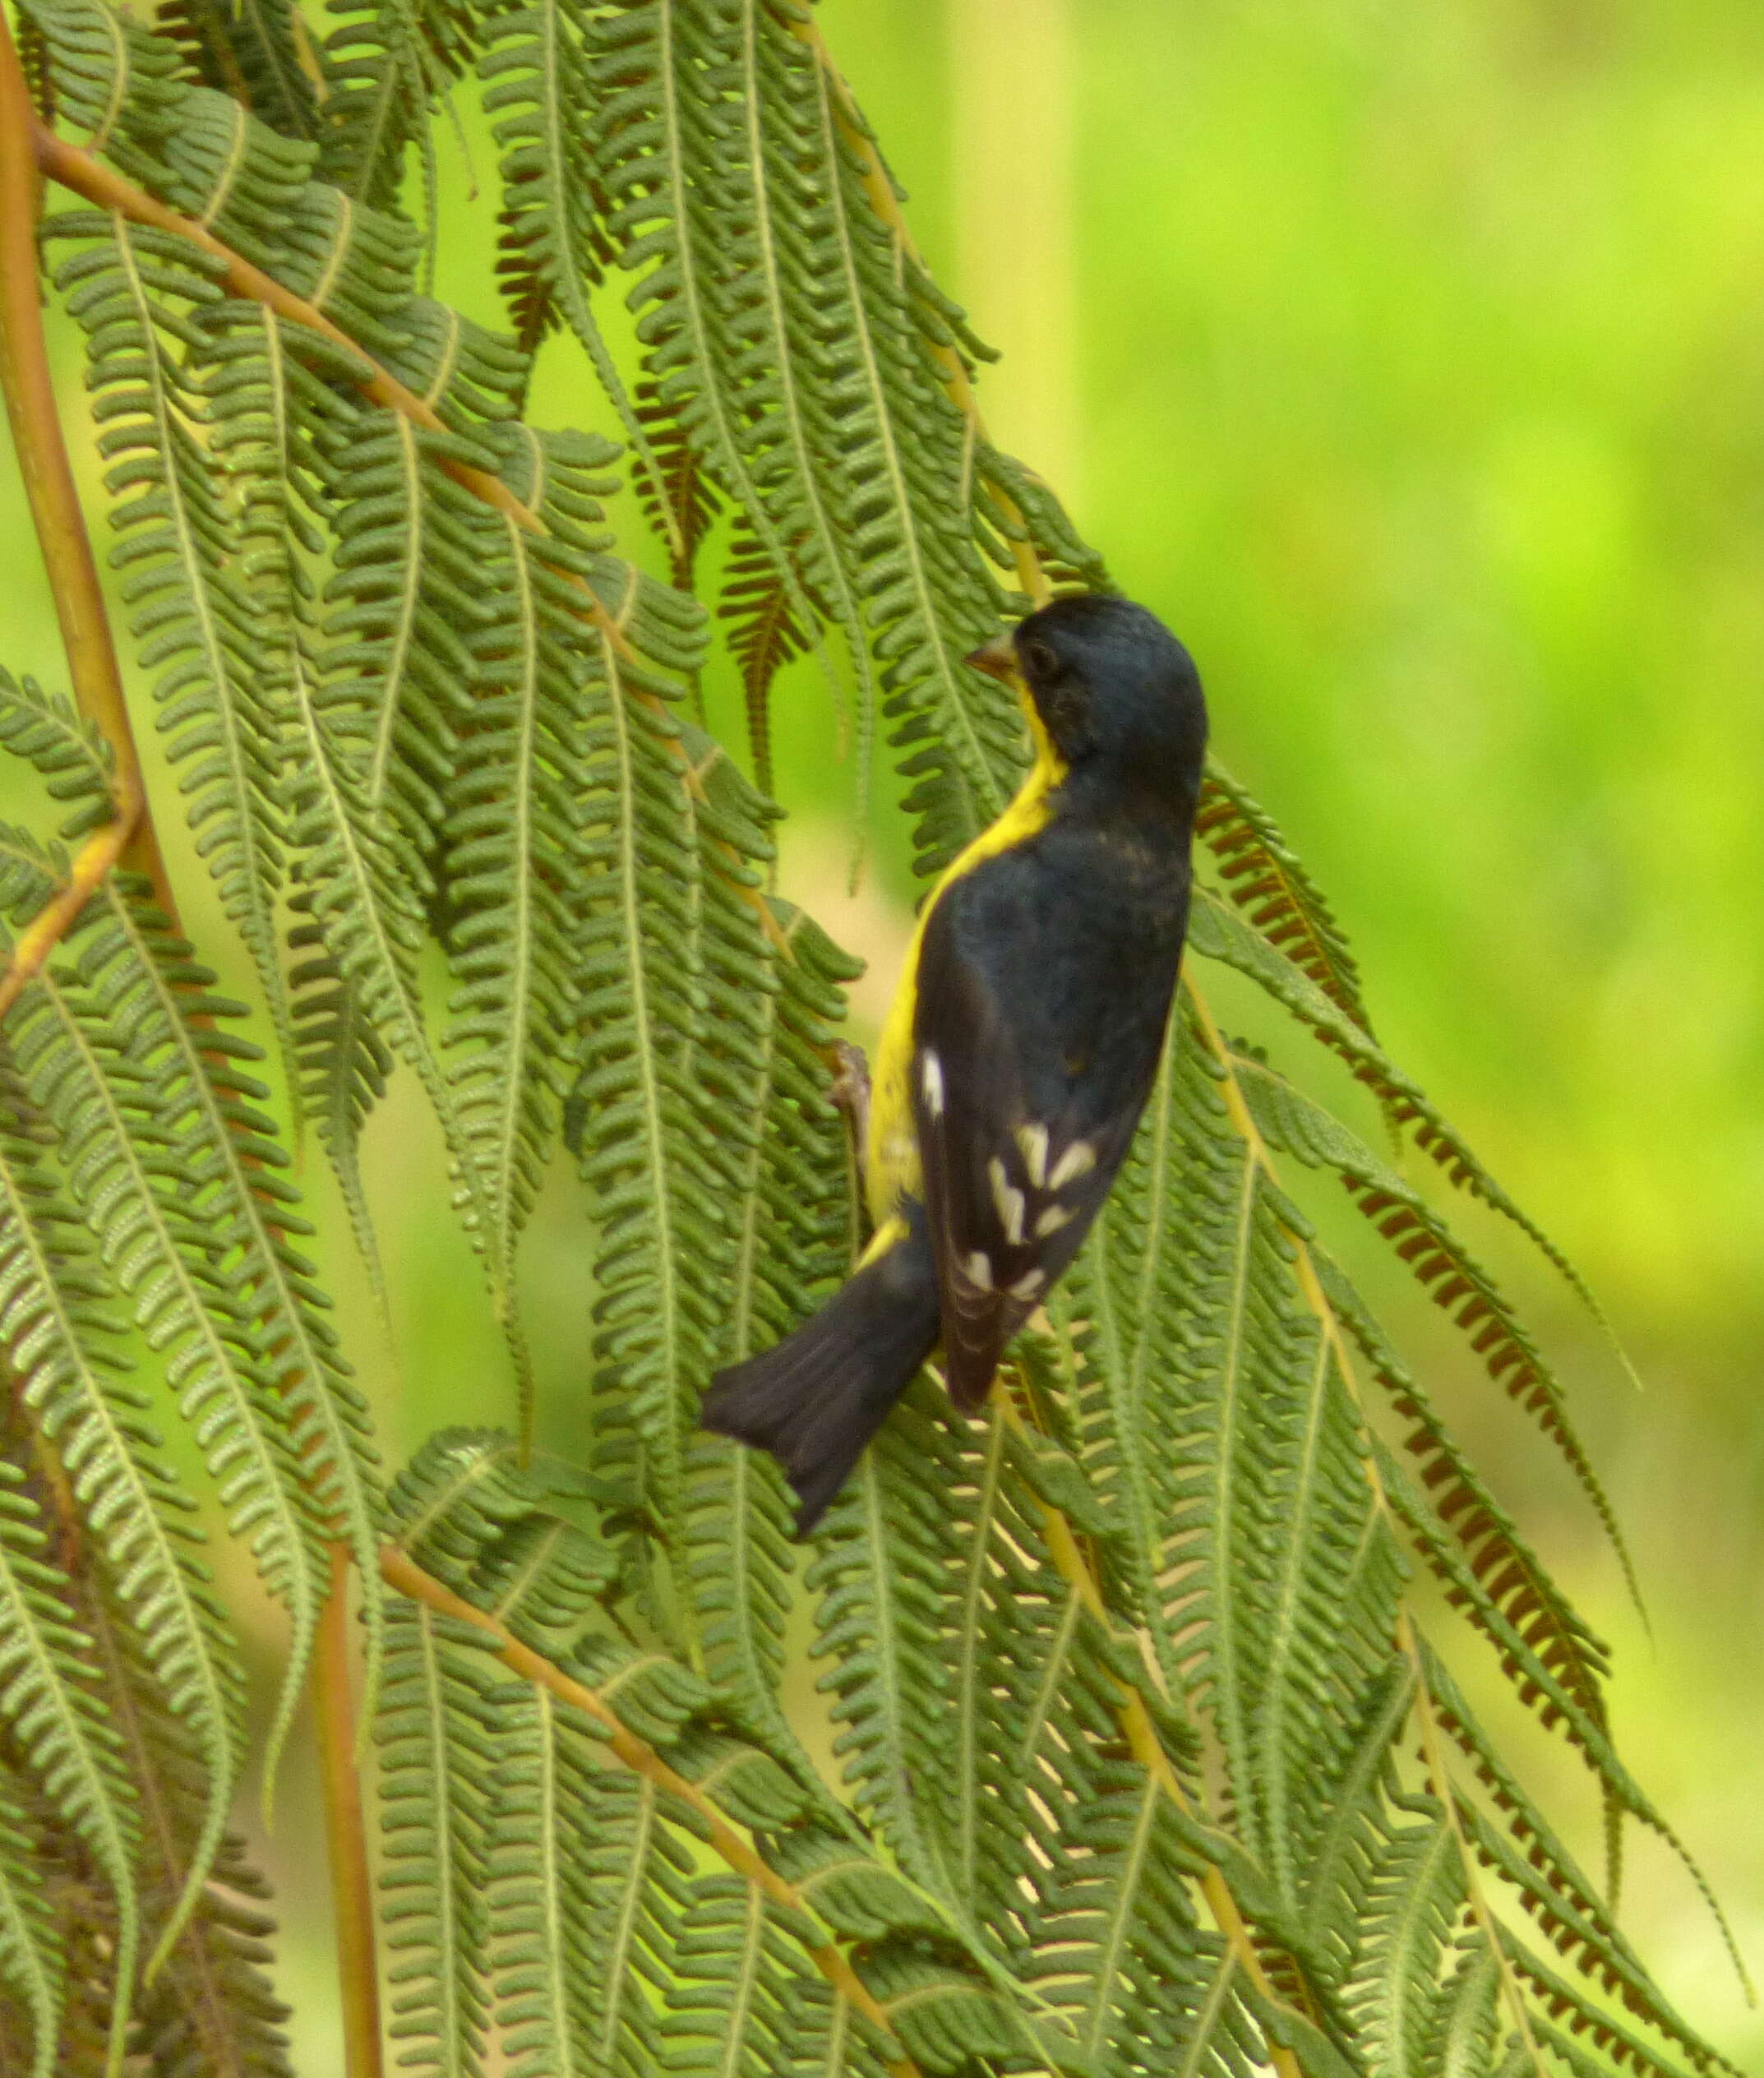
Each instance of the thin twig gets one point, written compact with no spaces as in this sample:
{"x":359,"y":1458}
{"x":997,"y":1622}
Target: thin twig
{"x":401,"y":1571}
{"x":345,"y":1832}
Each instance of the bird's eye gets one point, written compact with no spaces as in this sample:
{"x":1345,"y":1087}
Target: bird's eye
{"x":1039,"y":660}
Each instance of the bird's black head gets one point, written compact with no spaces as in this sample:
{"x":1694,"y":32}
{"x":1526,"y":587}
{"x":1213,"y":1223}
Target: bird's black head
{"x":1111,"y":684}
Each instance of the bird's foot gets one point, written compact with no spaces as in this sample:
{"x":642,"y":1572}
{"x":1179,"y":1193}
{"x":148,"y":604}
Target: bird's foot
{"x":850,"y":1090}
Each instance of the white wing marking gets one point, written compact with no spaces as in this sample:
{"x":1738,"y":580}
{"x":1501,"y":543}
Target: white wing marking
{"x":1078,"y":1160}
{"x":1008,"y":1201}
{"x":1033,"y":1139}
{"x":931,"y":1082}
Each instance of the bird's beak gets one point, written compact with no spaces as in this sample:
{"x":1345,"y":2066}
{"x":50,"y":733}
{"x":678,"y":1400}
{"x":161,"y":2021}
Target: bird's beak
{"x":997,"y":659}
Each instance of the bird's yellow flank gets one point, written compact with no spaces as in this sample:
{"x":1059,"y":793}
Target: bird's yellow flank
{"x":894,"y":1169}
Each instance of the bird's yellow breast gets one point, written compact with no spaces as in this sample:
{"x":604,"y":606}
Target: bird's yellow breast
{"x":894,"y":1169}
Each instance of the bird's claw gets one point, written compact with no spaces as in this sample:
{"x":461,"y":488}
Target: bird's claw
{"x":850,"y":1090}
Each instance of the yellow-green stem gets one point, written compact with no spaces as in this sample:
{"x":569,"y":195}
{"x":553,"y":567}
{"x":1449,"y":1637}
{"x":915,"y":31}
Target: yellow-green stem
{"x":1432,"y":1754}
{"x":1138,"y":1728}
{"x":402,"y":1571}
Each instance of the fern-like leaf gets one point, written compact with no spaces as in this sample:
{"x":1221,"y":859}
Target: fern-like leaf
{"x":71,"y":758}
{"x":464,"y":1509}
{"x":158,"y":1006}
{"x":677,"y":497}
{"x":46,"y":1699}
{"x":655,"y":77}
{"x":437,"y":1753}
{"x":1267,"y":882}
{"x":764,"y":1058}
{"x":252,"y":51}
{"x":385,"y":63}
{"x":124,"y":1170}
{"x":512,"y":833}
{"x":763,"y":634}
{"x":194,"y":620}
{"x":205,"y":2004}
{"x":552,"y":250}
{"x":1451,"y":1275}
{"x":644,"y":1142}
{"x":1413,"y":1894}
{"x":60,"y":1339}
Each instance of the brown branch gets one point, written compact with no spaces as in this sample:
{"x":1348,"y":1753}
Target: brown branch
{"x":93,"y":670}
{"x":351,"y":1886}
{"x":401,"y":1571}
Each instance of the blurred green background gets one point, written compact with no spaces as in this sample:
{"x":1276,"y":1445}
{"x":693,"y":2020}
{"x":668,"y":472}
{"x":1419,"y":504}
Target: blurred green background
{"x":1410,"y":362}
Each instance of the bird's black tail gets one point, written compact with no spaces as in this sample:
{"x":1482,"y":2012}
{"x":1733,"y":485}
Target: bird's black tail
{"x":818,"y":1397}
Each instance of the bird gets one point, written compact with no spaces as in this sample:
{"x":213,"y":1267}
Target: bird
{"x":1021,"y":1046}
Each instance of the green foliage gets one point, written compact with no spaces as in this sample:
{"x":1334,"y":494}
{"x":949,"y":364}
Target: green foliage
{"x":1143,"y":1759}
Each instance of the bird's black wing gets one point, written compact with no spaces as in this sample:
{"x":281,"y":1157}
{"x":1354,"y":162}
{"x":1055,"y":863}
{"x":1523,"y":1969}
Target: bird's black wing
{"x":1044,"y":983}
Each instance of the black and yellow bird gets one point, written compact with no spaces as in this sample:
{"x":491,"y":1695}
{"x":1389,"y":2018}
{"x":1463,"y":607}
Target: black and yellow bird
{"x":1019,"y":1051}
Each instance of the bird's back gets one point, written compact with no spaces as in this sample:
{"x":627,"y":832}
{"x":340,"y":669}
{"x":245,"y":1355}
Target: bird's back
{"x":1075,"y":937}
